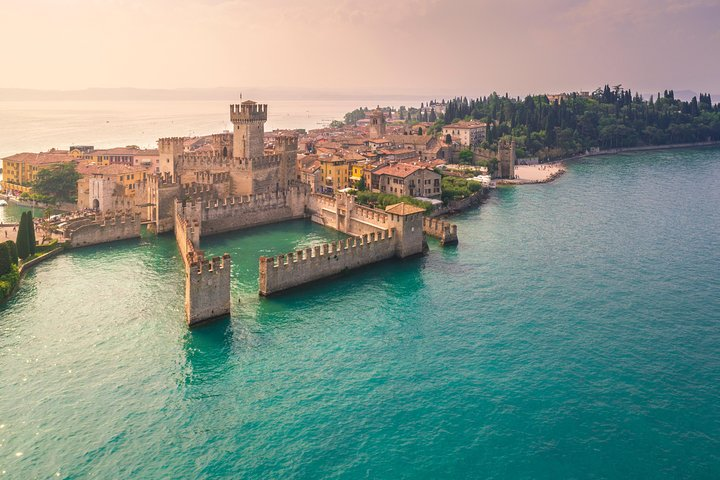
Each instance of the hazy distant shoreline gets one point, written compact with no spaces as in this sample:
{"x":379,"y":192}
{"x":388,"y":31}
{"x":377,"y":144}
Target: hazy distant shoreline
{"x":194,"y":94}
{"x":234,"y":94}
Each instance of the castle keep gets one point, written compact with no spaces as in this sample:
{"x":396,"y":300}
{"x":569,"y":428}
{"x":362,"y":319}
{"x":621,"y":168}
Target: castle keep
{"x":235,"y":183}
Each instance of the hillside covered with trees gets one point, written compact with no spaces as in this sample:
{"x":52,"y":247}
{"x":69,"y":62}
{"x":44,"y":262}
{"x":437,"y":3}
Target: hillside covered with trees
{"x":608,"y":118}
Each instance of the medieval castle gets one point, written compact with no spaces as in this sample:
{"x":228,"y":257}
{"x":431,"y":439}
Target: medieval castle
{"x":236,"y":183}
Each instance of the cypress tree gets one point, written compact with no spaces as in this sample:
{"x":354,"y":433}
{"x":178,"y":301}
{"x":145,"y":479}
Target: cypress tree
{"x":31,"y":234}
{"x":5,"y":264}
{"x":23,"y":241}
{"x":12,"y":251}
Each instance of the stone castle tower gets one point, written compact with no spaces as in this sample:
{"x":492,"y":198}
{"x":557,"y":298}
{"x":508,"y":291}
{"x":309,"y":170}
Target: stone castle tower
{"x":377,"y":124}
{"x":506,"y":158}
{"x":170,"y":149}
{"x":249,"y":120}
{"x":229,"y":165}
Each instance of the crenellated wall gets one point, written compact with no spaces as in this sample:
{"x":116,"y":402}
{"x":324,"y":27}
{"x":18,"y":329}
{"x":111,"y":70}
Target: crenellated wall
{"x":187,"y":231}
{"x":303,"y":266}
{"x":236,"y":213}
{"x":109,"y":227}
{"x":163,"y":190}
{"x":207,"y":289}
{"x":207,"y":282}
{"x":444,"y":231}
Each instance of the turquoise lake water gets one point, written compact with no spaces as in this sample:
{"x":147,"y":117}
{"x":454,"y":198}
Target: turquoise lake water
{"x":573,"y":333}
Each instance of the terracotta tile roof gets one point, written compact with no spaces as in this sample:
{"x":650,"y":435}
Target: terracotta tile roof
{"x":124,"y":151}
{"x":403,"y":209}
{"x":90,"y":168}
{"x":400,"y":170}
{"x":398,"y":151}
{"x":37,"y":159}
{"x":466,"y":125}
{"x":412,"y":139}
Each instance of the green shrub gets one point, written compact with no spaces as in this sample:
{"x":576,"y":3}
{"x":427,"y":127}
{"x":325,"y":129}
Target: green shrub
{"x":455,"y":188}
{"x":5,"y":262}
{"x":382,"y":200}
{"x":12,"y":250}
{"x":46,"y":248}
{"x":8,"y":282}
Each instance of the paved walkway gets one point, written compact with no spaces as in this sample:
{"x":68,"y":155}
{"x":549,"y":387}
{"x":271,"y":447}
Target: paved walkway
{"x":9,"y":232}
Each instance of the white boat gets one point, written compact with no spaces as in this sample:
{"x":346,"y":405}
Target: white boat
{"x":3,"y":203}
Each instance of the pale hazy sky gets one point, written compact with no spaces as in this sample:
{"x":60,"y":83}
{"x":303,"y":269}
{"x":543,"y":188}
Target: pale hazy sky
{"x":391,"y":46}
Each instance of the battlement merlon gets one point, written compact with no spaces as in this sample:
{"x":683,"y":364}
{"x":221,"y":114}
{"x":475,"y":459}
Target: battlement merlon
{"x":325,"y":250}
{"x":171,"y":143}
{"x":215,"y":265}
{"x":286,"y":142}
{"x":248,"y":111}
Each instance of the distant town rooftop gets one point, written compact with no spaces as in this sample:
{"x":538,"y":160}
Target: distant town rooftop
{"x":400,"y":170}
{"x":44,"y":158}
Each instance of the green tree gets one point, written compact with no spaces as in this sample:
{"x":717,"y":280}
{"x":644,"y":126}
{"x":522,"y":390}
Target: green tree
{"x":5,"y":261}
{"x":360,"y":184}
{"x":12,"y":251}
{"x":31,"y":234}
{"x":23,"y":241}
{"x":59,"y":182}
{"x":466,"y":156}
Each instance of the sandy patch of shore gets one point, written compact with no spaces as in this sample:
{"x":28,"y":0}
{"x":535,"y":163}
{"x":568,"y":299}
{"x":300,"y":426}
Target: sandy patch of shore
{"x":538,"y":173}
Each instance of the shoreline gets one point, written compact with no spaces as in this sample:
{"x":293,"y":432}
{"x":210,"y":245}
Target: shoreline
{"x":26,"y":266}
{"x":561,"y":163}
{"x":467,"y":204}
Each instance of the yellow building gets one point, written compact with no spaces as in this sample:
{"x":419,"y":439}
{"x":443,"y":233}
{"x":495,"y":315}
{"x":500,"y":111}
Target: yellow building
{"x":109,"y":187}
{"x":335,"y":172}
{"x":360,"y":170}
{"x":122,"y":156}
{"x":20,"y":170}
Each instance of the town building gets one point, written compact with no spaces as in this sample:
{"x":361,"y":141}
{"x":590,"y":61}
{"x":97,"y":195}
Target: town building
{"x":335,"y":172}
{"x":20,"y":170}
{"x":309,"y":172}
{"x":468,"y":134}
{"x":110,"y":187}
{"x":122,"y":156}
{"x":403,"y":179}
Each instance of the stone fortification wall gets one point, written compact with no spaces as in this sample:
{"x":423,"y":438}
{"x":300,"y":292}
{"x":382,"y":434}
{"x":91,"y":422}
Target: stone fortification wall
{"x":294,"y":269}
{"x":366,"y":220}
{"x":207,"y":282}
{"x":163,"y":190}
{"x":259,"y":174}
{"x":446,"y":232}
{"x":207,"y":289}
{"x":195,"y":191}
{"x":266,"y":174}
{"x":109,"y":227}
{"x":187,"y":233}
{"x":236,"y":213}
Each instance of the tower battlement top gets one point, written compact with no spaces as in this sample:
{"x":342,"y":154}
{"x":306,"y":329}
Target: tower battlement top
{"x":248,"y":111}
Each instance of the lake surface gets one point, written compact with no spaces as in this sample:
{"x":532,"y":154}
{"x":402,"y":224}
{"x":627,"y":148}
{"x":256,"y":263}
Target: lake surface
{"x":573,"y":332}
